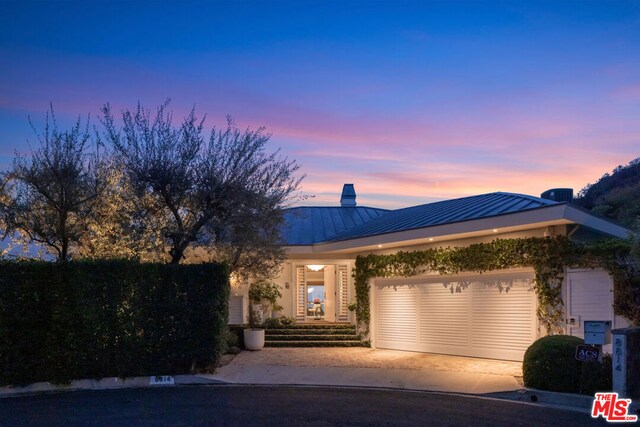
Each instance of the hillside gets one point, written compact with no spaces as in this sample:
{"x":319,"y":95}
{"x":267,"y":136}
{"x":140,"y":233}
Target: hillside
{"x":616,"y":195}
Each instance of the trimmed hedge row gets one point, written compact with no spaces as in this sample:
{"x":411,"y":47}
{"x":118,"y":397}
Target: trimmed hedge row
{"x":96,"y":319}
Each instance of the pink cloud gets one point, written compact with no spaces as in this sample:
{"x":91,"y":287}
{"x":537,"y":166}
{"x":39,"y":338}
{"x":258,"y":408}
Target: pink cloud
{"x":519,"y":141}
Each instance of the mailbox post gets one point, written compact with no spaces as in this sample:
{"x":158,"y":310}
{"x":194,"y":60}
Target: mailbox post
{"x":626,"y":362}
{"x":597,"y":333}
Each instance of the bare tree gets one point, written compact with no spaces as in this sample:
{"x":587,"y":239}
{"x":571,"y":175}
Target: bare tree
{"x":53,"y":189}
{"x":203,"y":185}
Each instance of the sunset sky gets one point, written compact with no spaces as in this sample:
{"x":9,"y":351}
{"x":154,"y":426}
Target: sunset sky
{"x":410,"y":101}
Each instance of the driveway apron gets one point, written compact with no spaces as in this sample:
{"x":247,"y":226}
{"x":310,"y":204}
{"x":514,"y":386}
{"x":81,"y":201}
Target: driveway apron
{"x":364,"y":367}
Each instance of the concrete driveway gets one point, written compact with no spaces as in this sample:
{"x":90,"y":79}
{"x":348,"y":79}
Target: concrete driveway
{"x":366,"y":367}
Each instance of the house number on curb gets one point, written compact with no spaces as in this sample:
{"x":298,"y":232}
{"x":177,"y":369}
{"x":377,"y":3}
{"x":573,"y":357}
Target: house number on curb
{"x":161,"y":380}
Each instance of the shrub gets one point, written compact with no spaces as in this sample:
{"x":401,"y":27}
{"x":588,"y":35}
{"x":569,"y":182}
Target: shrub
{"x":263,"y":295}
{"x":287,"y":320}
{"x":550,"y":364}
{"x":279,"y":322}
{"x":596,"y":376}
{"x":272,"y":323}
{"x":238,"y":331}
{"x":95,"y":319}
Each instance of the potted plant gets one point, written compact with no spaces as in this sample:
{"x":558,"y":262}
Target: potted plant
{"x":263,"y":296}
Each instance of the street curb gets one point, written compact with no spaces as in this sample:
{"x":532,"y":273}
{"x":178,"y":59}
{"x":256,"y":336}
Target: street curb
{"x":532,"y":395}
{"x":579,"y":402}
{"x":110,"y":383}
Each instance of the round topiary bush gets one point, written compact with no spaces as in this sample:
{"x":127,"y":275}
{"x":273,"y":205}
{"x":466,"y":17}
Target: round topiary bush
{"x":550,"y":364}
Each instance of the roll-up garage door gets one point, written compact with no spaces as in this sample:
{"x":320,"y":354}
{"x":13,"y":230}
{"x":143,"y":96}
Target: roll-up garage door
{"x":481,"y":316}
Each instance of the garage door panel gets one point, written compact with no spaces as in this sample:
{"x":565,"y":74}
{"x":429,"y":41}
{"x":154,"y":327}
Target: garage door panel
{"x":443,"y":317}
{"x":502,"y":321}
{"x":485,"y":318}
{"x":398,"y":306}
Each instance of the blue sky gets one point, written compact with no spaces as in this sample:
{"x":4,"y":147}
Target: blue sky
{"x":410,"y":101}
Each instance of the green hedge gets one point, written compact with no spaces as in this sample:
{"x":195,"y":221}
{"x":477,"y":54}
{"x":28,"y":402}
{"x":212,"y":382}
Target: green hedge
{"x":550,"y":364}
{"x":99,"y":319}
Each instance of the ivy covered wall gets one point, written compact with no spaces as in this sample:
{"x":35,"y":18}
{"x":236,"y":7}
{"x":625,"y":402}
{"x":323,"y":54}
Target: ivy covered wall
{"x":548,"y":256}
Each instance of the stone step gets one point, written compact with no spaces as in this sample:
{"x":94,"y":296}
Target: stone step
{"x":301,"y":337}
{"x":318,"y":326}
{"x":309,"y":331}
{"x":352,"y":343}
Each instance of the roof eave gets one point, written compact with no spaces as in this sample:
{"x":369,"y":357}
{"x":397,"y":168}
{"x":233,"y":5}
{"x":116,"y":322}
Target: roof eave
{"x":558,"y":214}
{"x":578,"y":216}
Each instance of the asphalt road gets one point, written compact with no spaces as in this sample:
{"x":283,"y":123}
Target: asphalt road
{"x":274,"y":406}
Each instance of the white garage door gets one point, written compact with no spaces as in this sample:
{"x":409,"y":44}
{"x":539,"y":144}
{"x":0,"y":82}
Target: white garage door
{"x":482,"y":316}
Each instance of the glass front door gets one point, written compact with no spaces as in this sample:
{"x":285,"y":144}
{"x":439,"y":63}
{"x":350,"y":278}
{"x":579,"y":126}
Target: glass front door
{"x":315,"y":301}
{"x":321,"y":292}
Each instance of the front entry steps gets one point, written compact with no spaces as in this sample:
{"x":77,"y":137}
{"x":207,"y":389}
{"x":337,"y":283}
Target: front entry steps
{"x":314,"y":335}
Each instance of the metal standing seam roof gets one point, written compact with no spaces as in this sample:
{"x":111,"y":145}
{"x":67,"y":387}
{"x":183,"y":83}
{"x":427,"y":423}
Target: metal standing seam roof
{"x":445,"y":212}
{"x":313,"y":224}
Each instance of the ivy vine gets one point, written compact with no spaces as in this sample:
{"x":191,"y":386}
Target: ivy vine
{"x":549,"y":258}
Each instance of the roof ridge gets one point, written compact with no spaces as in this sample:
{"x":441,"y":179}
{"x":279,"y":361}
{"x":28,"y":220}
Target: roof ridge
{"x":339,"y":207}
{"x":527,"y":196}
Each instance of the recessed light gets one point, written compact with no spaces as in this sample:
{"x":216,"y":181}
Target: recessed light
{"x":431,"y":239}
{"x":495,"y":230}
{"x":379,"y":246}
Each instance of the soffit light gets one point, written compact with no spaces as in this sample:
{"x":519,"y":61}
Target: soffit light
{"x":495,"y":230}
{"x":314,"y":267}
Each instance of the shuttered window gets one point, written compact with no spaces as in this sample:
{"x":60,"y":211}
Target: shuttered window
{"x":236,"y":310}
{"x":301,"y":293}
{"x":342,"y":294}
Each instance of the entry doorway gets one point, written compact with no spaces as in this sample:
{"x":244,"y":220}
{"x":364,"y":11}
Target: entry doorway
{"x":321,"y":293}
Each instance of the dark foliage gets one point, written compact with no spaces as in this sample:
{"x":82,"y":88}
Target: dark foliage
{"x":98,"y":319}
{"x":550,"y":364}
{"x":596,"y":376}
{"x":616,"y":195}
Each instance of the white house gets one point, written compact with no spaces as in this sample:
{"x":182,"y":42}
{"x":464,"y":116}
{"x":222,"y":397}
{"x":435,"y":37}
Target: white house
{"x":495,"y":317}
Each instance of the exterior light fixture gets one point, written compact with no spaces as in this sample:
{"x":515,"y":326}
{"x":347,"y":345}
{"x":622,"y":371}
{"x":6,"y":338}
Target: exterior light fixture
{"x":495,"y":230}
{"x":379,"y":246}
{"x":314,"y":267}
{"x":431,"y":239}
